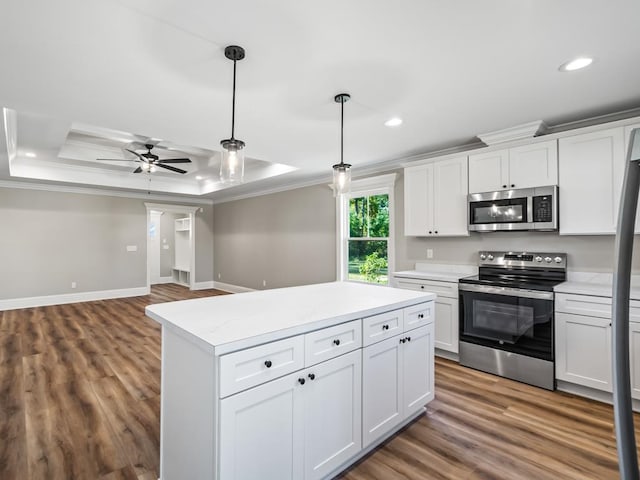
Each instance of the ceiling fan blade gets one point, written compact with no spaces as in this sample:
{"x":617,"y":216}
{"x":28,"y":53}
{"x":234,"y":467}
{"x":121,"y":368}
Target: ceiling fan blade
{"x":169,"y":167}
{"x":136,"y":154}
{"x":137,"y":170}
{"x":175,"y":160}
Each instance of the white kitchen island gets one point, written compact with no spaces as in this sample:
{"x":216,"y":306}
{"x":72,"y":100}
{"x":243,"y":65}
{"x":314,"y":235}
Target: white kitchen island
{"x":294,"y":383}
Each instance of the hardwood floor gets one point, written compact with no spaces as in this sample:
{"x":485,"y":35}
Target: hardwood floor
{"x":80,"y":399}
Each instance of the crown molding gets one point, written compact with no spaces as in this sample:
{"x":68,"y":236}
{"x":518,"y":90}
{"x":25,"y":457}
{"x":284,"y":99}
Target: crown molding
{"x":101,"y":192}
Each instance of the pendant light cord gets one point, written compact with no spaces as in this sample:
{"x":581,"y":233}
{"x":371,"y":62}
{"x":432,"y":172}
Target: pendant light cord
{"x":342,"y":131}
{"x":233,"y":103}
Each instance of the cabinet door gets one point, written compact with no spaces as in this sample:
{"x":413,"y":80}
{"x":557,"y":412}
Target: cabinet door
{"x":627,"y":137}
{"x":446,"y":326}
{"x":261,"y":432}
{"x":634,"y":358}
{"x":381,"y":389}
{"x":534,"y":165}
{"x":418,"y":199}
{"x":583,"y":350}
{"x":590,"y":170}
{"x":489,"y":171}
{"x":417,"y":369}
{"x":333,"y":421}
{"x":450,"y":189}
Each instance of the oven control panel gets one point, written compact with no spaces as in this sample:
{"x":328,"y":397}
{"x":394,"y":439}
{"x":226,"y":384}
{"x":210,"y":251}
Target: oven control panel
{"x":523,"y":259}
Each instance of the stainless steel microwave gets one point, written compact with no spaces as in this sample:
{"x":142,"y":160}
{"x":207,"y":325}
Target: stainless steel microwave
{"x":518,"y":209}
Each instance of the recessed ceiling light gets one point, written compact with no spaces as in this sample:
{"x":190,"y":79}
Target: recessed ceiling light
{"x":198,"y":177}
{"x":30,"y":155}
{"x":393,"y":122}
{"x":576,"y":64}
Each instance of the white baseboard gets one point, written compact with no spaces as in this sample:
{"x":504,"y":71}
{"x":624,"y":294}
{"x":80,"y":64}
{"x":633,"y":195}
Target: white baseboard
{"x":168,"y":279}
{"x":28,"y":302}
{"x":203,"y":285}
{"x":227,"y":287}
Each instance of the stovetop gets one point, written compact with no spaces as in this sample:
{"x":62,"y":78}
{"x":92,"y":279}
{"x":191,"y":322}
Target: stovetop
{"x":524,"y":270}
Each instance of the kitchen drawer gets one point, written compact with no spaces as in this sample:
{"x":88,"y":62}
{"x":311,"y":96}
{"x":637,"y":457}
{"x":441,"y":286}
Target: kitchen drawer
{"x":592,"y":306}
{"x":442,"y":289}
{"x":253,"y":366}
{"x":382,"y":326}
{"x":330,"y":342}
{"x":418,"y":315}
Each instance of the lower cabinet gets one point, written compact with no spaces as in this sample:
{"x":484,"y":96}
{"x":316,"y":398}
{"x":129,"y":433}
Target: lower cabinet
{"x":303,"y":425}
{"x":397,"y":380}
{"x":583,"y":350}
{"x":634,"y":358}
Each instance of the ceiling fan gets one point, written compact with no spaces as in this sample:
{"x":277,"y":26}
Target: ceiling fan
{"x":149,"y":161}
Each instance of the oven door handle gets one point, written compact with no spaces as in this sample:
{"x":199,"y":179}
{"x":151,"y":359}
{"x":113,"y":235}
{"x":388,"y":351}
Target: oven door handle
{"x":507,"y":291}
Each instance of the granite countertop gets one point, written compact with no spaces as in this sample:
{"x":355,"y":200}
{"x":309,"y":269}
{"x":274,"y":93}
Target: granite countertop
{"x":232,"y":322}
{"x":595,"y":284}
{"x":438,"y":272}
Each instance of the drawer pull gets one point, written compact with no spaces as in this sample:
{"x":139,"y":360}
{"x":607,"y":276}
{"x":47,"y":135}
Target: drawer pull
{"x":422,"y":287}
{"x":385,"y":327}
{"x":408,"y":339}
{"x":402,"y":340}
{"x":336,"y":342}
{"x":421,"y":315}
{"x":312,"y":376}
{"x":268,"y":364}
{"x":301,"y":381}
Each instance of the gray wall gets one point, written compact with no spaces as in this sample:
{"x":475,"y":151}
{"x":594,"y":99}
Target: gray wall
{"x":50,"y":239}
{"x":284,"y":238}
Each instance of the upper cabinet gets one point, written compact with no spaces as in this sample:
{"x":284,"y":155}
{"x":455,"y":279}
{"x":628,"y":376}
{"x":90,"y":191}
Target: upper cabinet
{"x":591,"y":174}
{"x":435,"y":198}
{"x":527,"y":166}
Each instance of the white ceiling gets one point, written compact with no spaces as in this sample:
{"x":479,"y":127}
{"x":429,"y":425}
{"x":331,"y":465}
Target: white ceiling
{"x":450,"y":69}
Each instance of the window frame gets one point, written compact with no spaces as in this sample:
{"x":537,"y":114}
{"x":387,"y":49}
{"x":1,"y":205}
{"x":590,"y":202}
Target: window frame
{"x":379,"y":185}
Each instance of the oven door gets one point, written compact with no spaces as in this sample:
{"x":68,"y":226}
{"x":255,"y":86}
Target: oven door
{"x":511,"y":319}
{"x":499,"y":211}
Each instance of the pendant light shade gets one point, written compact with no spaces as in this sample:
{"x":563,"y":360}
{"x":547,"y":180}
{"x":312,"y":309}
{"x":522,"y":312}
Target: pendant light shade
{"x":341,"y":171}
{"x":232,"y":162}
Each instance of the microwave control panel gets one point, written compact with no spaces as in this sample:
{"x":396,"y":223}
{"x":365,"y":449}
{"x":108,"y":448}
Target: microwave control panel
{"x":543,"y":208}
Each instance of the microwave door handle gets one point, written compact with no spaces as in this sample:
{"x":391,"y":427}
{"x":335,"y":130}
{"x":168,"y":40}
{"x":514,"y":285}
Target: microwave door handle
{"x":622,"y":407}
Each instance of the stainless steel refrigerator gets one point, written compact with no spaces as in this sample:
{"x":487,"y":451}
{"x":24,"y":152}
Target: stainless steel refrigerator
{"x":622,"y":405}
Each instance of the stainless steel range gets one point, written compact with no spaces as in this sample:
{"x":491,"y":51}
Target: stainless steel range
{"x":506,"y":315}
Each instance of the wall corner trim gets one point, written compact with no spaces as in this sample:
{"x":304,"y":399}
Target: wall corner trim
{"x":227,"y":287}
{"x":43,"y":301}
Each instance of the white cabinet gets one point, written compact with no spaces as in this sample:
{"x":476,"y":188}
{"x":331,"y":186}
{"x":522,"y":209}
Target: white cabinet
{"x":527,"y":166}
{"x":446,"y":310}
{"x":591,"y":172}
{"x":435,"y":198}
{"x":181,"y":271}
{"x":583,"y":350}
{"x":634,"y":358}
{"x":397,"y":381}
{"x":303,"y":425}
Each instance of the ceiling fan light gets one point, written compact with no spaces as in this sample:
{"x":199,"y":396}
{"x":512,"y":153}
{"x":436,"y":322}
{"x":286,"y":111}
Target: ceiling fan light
{"x":152,"y":168}
{"x":145,"y":166}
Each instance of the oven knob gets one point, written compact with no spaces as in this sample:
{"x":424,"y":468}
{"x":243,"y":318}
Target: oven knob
{"x":490,"y":257}
{"x":558,"y":259}
{"x":547,"y":259}
{"x":483,"y":256}
{"x":538,"y":259}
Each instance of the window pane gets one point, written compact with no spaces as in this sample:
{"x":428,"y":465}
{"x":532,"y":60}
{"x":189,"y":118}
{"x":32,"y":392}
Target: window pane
{"x":368,"y":261}
{"x":378,"y":210}
{"x":358,"y":217}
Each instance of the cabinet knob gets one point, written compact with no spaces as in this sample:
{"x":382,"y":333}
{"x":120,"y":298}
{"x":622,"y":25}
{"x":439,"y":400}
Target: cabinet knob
{"x":312,"y":376}
{"x":336,"y":342}
{"x":402,"y":340}
{"x":301,"y":381}
{"x":385,"y":327}
{"x":268,"y":364}
{"x":421,"y":315}
{"x":436,"y":231}
{"x":504,"y":186}
{"x":512,"y":185}
{"x":422,"y":287}
{"x":429,"y":232}
{"x":408,"y":339}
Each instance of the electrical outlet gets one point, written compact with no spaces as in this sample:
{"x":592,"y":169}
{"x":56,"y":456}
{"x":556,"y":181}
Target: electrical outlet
{"x":429,"y":252}
{"x":73,"y":284}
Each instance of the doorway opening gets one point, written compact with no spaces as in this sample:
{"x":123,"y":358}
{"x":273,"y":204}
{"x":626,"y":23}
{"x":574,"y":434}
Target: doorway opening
{"x":171,"y":244}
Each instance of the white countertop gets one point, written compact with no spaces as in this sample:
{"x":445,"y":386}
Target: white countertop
{"x":233,"y":322}
{"x":595,"y":284}
{"x":438,"y":272}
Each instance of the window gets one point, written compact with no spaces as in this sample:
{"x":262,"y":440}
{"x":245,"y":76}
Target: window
{"x":366,"y":231}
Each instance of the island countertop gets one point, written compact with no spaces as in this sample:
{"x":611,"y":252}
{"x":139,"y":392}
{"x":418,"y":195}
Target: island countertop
{"x":232,"y":322}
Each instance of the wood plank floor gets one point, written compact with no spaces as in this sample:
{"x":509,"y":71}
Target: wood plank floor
{"x":80,"y":399}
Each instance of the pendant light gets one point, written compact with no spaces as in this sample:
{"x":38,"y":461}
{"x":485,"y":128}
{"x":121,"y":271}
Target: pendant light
{"x":232,"y":163}
{"x":341,"y":171}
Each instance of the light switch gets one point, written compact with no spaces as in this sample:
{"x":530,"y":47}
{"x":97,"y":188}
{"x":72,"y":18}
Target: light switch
{"x":132,"y":248}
